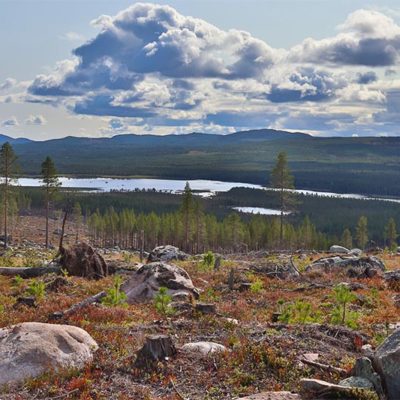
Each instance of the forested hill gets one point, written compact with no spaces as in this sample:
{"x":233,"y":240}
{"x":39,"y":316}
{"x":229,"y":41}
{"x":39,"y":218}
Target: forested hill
{"x":355,"y":165}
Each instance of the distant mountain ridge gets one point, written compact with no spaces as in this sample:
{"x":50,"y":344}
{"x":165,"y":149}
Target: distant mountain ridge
{"x":257,"y":134}
{"x":367,"y":165}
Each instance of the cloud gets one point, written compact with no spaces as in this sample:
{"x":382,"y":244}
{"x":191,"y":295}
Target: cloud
{"x":8,"y":84}
{"x":73,"y":37}
{"x":152,"y":68}
{"x":147,"y":38}
{"x":11,"y":122}
{"x":367,"y":77}
{"x":36,"y":120}
{"x":367,"y":38}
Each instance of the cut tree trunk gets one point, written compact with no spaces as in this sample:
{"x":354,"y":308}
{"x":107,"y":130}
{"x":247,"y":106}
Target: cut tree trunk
{"x":156,"y":348}
{"x":29,"y":272}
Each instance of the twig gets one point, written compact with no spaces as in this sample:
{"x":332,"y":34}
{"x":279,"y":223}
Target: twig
{"x":61,"y":396}
{"x":180,"y":395}
{"x":324,"y":367}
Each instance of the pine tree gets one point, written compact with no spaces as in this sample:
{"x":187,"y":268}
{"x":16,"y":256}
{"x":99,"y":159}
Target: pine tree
{"x":77,"y":214}
{"x":50,"y":185}
{"x":282,"y":179}
{"x":391,"y":234}
{"x":187,"y":210}
{"x":362,"y":232}
{"x":347,"y":239}
{"x":8,"y":171}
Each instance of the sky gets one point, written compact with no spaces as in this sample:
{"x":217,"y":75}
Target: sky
{"x":101,"y":68}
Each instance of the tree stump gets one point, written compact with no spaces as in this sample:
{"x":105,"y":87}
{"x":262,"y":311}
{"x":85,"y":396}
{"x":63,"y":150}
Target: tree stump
{"x":82,"y":260}
{"x":25,"y":301}
{"x":156,"y":348}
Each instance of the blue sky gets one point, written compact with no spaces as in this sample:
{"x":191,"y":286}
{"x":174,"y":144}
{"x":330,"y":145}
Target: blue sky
{"x":99,"y":68}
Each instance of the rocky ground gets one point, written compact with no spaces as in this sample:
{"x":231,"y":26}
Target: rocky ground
{"x":274,"y":314}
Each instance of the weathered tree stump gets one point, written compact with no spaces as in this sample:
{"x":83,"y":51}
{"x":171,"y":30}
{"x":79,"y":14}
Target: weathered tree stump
{"x":82,"y":260}
{"x":25,"y":301}
{"x":156,"y":348}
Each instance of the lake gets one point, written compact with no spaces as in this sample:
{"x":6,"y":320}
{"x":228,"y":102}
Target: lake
{"x":203,"y":187}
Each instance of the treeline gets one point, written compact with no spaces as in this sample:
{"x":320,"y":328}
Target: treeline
{"x":202,"y":232}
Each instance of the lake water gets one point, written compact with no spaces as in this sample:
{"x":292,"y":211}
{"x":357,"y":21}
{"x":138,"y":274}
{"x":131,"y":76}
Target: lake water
{"x":259,"y":210}
{"x":203,"y":187}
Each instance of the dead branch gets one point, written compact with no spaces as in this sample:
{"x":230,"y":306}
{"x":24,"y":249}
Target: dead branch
{"x":324,"y":367}
{"x":78,"y":306}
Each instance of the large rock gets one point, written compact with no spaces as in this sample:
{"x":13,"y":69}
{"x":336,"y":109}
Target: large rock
{"x":147,"y":280}
{"x":167,"y":253}
{"x":203,"y":348}
{"x":338,"y":249}
{"x":386,"y":361}
{"x":32,"y":348}
{"x":361,"y":267}
{"x":392,"y":279}
{"x":314,"y":388}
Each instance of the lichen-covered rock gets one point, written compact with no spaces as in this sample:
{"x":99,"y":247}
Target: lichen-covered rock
{"x":167,"y":253}
{"x":386,"y":361}
{"x":357,"y":267}
{"x":31,"y":348}
{"x":338,"y":249}
{"x":148,"y":279}
{"x":203,"y":348}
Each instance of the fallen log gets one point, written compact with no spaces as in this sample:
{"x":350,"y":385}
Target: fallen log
{"x":29,"y":272}
{"x":78,"y":306}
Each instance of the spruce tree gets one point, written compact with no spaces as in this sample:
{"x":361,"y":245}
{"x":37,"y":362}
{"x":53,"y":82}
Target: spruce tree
{"x":391,"y":234}
{"x":77,"y":213}
{"x":347,"y":239}
{"x":362,"y":232}
{"x":282,"y":179}
{"x":8,"y":171}
{"x":50,"y":185}
{"x":187,"y":210}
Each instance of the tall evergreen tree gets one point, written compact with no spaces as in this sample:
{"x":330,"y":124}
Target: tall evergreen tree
{"x":282,"y":179}
{"x":8,"y":171}
{"x":347,"y":239}
{"x":362,"y":232}
{"x":77,"y":214}
{"x":391,"y":234}
{"x":187,"y":210}
{"x":50,"y":185}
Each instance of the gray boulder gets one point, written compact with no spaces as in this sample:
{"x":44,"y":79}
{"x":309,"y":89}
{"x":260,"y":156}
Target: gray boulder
{"x":203,"y":348}
{"x":386,"y":361}
{"x":167,"y":253}
{"x":338,"y":249}
{"x":357,"y":267}
{"x":357,"y":382}
{"x":31,"y":348}
{"x":392,"y":279}
{"x":149,"y":278}
{"x":356,"y":252}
